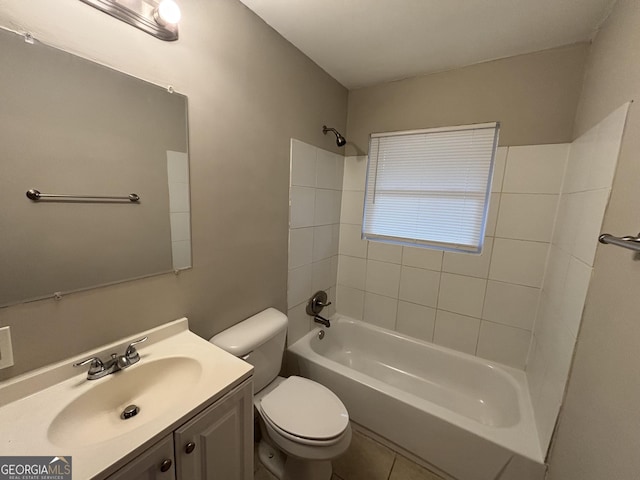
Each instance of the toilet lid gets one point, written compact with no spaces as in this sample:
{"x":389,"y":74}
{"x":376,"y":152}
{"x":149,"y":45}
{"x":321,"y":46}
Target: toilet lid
{"x":305,"y":409}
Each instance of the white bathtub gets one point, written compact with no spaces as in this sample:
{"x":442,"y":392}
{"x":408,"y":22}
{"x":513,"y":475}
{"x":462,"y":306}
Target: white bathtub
{"x":469,"y":417}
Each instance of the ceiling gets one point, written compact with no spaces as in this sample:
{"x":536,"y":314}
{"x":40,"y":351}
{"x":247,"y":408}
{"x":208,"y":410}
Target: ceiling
{"x":365,"y":42}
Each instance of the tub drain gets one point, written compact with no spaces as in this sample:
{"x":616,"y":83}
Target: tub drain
{"x":130,"y":411}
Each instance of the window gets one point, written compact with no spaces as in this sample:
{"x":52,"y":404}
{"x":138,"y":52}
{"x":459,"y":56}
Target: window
{"x":430,"y":188}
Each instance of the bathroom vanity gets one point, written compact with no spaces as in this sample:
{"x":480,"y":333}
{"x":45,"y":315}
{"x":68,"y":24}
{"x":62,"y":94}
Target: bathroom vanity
{"x":194,"y":412}
{"x":219,"y":439}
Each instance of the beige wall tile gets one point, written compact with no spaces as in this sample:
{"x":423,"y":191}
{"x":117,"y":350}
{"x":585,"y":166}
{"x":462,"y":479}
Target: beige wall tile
{"x":510,"y":304}
{"x":352,"y":271}
{"x":416,"y":320}
{"x":382,"y":278}
{"x":352,"y":207}
{"x":535,"y":168}
{"x":321,"y":275}
{"x":299,"y":323}
{"x":350,"y":241}
{"x":518,"y":261}
{"x":526,"y":216}
{"x":323,"y":244}
{"x":422,"y":258}
{"x":575,"y":294}
{"x":566,"y":229}
{"x":503,"y":344}
{"x":498,"y":169}
{"x":555,"y":276}
{"x":385,"y":252}
{"x":380,"y":310}
{"x":420,"y":286}
{"x":461,"y":294}
{"x":456,"y":331}
{"x":589,"y":224}
{"x":325,"y":206}
{"x":605,"y":159}
{"x":468,"y":264}
{"x":300,"y":247}
{"x":299,"y":287}
{"x":580,"y":157}
{"x":492,"y":215}
{"x":355,"y":173}
{"x":303,"y":164}
{"x":327,"y":168}
{"x":350,"y":301}
{"x":302,"y":207}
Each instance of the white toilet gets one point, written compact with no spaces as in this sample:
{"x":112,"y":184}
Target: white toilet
{"x":303,"y":424}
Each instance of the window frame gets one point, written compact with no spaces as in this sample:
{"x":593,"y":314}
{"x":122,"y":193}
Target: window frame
{"x":471,"y":247}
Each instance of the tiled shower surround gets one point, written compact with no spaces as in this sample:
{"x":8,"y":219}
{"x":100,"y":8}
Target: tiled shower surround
{"x":585,"y":193}
{"x":314,"y":226}
{"x":485,"y":304}
{"x":518,"y":303}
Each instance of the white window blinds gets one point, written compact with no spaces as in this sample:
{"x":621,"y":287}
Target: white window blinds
{"x":430,"y":187}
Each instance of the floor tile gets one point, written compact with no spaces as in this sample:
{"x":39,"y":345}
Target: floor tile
{"x":404,"y":469}
{"x":364,"y":460}
{"x":262,"y":473}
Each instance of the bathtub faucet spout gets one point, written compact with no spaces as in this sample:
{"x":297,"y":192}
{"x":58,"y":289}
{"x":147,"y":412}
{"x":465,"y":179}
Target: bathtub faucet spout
{"x":322,"y":320}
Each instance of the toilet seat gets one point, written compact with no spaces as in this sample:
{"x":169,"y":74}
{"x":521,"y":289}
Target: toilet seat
{"x":306,"y":412}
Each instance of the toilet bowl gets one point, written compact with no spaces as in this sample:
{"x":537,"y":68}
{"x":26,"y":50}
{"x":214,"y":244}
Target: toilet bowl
{"x":307,"y":423}
{"x":304,"y":425}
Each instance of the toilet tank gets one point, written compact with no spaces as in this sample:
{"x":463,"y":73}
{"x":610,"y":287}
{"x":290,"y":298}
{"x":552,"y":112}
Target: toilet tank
{"x":258,"y":340}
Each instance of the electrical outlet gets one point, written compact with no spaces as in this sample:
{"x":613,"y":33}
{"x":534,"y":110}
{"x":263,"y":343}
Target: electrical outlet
{"x":6,"y":351}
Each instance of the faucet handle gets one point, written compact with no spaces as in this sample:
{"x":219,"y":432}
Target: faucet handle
{"x":96,"y":366}
{"x":317,"y":303}
{"x":131,"y":353}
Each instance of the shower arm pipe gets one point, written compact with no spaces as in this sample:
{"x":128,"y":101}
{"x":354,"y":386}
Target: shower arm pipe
{"x":340,"y":140}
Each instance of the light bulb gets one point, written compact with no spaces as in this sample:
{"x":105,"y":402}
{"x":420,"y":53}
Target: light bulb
{"x":168,"y":12}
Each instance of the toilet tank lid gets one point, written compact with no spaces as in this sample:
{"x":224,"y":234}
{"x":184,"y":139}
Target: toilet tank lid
{"x":249,"y":334}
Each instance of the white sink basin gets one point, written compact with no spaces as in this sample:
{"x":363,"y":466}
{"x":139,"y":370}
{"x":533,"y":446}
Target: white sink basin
{"x":56,"y":409}
{"x":95,"y":416}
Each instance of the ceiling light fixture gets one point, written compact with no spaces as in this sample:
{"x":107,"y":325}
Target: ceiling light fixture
{"x":156,"y":17}
{"x":168,"y":13}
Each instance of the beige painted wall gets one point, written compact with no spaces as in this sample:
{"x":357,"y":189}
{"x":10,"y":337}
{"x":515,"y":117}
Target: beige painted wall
{"x":598,"y":435}
{"x":249,"y":92}
{"x":534,"y":96}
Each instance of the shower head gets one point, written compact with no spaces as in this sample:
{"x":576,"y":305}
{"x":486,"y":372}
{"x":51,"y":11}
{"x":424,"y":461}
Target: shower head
{"x":340,"y":140}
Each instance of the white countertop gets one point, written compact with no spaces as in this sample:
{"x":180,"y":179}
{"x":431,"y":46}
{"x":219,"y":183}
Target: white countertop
{"x":30,"y":403}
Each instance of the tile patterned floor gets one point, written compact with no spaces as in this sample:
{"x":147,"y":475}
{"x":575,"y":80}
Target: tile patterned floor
{"x":366,"y":459}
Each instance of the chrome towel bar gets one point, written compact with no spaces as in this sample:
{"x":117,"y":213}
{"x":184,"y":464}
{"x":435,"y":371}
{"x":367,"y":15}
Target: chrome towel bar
{"x":35,"y":195}
{"x":630,"y":242}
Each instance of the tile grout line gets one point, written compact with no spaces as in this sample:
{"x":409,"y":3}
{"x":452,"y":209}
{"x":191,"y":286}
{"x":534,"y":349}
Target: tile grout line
{"x":393,"y":464}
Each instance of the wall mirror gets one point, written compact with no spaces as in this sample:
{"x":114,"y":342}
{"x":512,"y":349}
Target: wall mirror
{"x":69,"y":126}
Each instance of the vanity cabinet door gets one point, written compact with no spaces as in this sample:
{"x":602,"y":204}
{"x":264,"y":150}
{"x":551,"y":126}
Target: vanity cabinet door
{"x":218,"y":443}
{"x":155,"y":463}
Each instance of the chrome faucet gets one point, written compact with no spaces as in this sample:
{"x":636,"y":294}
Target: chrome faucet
{"x":320,"y":319}
{"x":98,"y":369}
